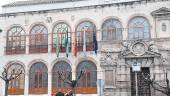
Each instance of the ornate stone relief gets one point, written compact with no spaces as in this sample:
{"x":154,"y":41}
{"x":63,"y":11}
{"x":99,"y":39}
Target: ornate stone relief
{"x":108,"y":59}
{"x":139,"y":48}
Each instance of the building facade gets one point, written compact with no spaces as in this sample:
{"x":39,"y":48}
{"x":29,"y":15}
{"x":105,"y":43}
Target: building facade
{"x":106,"y":38}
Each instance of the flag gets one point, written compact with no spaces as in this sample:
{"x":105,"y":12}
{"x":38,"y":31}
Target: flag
{"x":75,"y":46}
{"x":57,"y":45}
{"x":84,"y":41}
{"x":66,"y":42}
{"x":95,"y":44}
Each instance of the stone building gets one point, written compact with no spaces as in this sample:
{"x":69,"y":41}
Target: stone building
{"x":128,"y":33}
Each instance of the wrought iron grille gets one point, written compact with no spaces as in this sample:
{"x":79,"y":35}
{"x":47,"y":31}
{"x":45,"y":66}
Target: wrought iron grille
{"x":143,"y":86}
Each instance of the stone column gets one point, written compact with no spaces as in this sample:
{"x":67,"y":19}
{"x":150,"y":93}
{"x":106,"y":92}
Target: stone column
{"x":27,"y":45}
{"x":49,"y":42}
{"x":26,"y":89}
{"x":49,"y":83}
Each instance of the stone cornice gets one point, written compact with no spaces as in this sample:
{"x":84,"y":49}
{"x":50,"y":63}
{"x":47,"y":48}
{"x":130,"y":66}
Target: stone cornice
{"x":37,"y":2}
{"x":89,"y":5}
{"x":70,"y":9}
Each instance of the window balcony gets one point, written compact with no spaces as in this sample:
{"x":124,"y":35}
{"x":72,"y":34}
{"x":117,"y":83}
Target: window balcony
{"x":38,"y":48}
{"x":62,"y":48}
{"x":89,"y":46}
{"x":38,"y":90}
{"x":16,"y":91}
{"x":14,"y":50}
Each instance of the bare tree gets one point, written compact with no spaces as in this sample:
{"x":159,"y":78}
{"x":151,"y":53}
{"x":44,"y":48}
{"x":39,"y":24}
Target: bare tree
{"x":66,"y":79}
{"x":165,"y":88}
{"x":8,"y":77}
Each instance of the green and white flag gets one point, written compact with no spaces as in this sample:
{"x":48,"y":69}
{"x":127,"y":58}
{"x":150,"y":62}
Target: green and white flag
{"x":57,"y":45}
{"x":66,"y":42}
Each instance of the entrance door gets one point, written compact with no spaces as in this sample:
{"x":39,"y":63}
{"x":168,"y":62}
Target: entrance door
{"x":143,"y":86}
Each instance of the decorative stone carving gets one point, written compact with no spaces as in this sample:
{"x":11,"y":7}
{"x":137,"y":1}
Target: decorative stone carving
{"x":108,"y":59}
{"x":138,"y":48}
{"x":152,"y":47}
{"x":126,"y":47}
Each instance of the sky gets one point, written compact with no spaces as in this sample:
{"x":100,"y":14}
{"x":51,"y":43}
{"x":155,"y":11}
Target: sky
{"x":2,"y":2}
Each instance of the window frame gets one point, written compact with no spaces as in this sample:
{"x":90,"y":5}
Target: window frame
{"x":16,"y":40}
{"x":36,"y":71}
{"x":16,"y":86}
{"x":60,"y":66}
{"x":90,"y":29}
{"x":61,"y":35}
{"x":90,"y":69}
{"x":144,"y":28}
{"x":38,"y":40}
{"x":112,"y":26}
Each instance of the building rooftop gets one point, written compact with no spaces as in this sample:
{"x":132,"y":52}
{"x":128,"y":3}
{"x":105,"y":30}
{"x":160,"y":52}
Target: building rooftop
{"x":36,"y":2}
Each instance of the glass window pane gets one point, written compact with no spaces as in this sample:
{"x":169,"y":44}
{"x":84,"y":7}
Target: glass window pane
{"x":139,"y":27}
{"x":38,"y":76}
{"x":39,"y":33}
{"x":15,"y":35}
{"x":65,"y":69}
{"x":90,"y":76}
{"x":111,"y":30}
{"x":14,"y":70}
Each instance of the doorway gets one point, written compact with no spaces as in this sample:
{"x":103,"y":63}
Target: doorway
{"x":143,"y":86}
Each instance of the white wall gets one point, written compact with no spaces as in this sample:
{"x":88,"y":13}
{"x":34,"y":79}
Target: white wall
{"x":96,"y":15}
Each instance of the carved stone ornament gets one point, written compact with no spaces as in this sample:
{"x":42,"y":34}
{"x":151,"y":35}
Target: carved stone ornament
{"x":153,"y":47}
{"x":138,"y":48}
{"x":108,"y":60}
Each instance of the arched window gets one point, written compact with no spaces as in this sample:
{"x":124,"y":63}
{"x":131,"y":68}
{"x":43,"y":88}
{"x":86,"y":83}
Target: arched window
{"x":63,"y":68}
{"x":59,"y":36}
{"x":38,"y":79}
{"x":87,"y":83}
{"x":112,"y":30}
{"x":89,"y":29}
{"x":16,"y":86}
{"x":15,"y":40}
{"x":139,"y":28}
{"x":39,"y":39}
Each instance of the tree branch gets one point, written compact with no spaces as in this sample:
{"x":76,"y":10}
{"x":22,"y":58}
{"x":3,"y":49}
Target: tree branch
{"x":2,"y":78}
{"x":81,"y":74}
{"x":158,"y":89}
{"x":64,"y":80}
{"x":15,"y":76}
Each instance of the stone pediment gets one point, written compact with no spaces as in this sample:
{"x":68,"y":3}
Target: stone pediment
{"x":146,"y":54}
{"x":135,"y":49}
{"x":161,"y":12}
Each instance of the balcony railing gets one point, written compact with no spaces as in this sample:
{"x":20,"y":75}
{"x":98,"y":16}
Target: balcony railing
{"x":38,"y":90}
{"x":14,"y":50}
{"x":16,"y":91}
{"x":62,"y":48}
{"x":38,"y":48}
{"x":89,"y":46}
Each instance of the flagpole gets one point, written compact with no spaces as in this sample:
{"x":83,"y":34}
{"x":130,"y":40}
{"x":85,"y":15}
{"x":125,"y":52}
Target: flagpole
{"x":84,"y":41}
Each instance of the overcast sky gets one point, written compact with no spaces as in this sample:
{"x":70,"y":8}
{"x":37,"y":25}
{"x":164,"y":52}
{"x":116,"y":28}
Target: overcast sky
{"x":2,"y":2}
